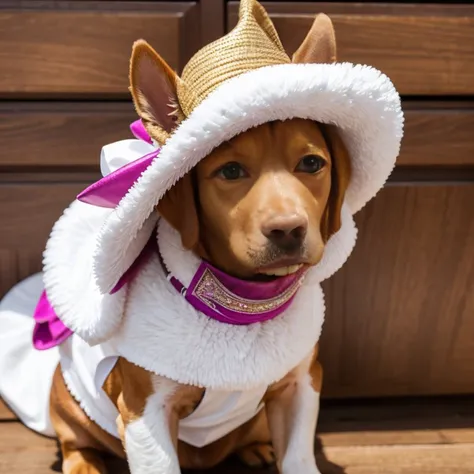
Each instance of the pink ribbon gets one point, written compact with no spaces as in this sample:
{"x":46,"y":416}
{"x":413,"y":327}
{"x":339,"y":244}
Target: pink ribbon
{"x":49,"y":330}
{"x":108,"y":191}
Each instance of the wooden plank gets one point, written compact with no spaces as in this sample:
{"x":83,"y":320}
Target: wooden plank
{"x":437,"y":135}
{"x":212,"y":20}
{"x":402,"y":459}
{"x":23,"y":451}
{"x":31,"y":212}
{"x":28,"y":212}
{"x":397,"y":422}
{"x":87,"y":44}
{"x":61,"y":134}
{"x":424,"y":49}
{"x":399,"y":318}
{"x":5,"y":412}
{"x":72,"y":134}
{"x":353,"y":438}
{"x":19,"y":263}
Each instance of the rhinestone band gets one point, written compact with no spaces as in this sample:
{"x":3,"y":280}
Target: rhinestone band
{"x":210,"y":290}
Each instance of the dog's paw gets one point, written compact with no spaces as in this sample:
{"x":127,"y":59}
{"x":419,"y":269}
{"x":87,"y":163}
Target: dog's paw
{"x":257,"y":455}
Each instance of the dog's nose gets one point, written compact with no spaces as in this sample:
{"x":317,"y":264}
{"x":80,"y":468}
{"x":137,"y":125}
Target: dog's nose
{"x":287,"y":233}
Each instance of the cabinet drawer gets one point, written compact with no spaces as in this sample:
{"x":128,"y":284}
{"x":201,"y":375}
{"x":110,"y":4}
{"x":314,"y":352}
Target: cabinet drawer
{"x":28,"y":212}
{"x":71,"y":134}
{"x":424,"y":49}
{"x":438,"y":134}
{"x":400,"y":311}
{"x":67,"y":134}
{"x":83,"y":48}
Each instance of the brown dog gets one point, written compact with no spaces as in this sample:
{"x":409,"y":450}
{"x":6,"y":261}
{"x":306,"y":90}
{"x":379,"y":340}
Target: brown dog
{"x":262,"y":204}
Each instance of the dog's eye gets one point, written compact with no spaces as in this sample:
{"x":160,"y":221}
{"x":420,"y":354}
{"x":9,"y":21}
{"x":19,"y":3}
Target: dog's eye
{"x":311,"y":164}
{"x":232,"y":171}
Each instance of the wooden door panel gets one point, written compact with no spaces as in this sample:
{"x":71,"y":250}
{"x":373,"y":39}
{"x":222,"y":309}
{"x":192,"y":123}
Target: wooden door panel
{"x":424,"y":49}
{"x":27,"y":213}
{"x":29,"y":210}
{"x":64,"y":134}
{"x":52,"y":49}
{"x":400,"y":317}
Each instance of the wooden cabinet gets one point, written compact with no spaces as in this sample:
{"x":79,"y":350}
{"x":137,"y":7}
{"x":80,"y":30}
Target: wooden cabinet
{"x":82,"y":49}
{"x":424,"y":49}
{"x":400,"y":317}
{"x":60,"y":134}
{"x":401,"y":311}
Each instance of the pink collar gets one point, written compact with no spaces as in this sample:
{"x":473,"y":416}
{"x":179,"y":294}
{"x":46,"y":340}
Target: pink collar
{"x":233,"y":301}
{"x":223,"y":297}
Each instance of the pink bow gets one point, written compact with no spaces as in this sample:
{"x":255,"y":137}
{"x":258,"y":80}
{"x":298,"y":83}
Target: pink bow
{"x":108,"y":191}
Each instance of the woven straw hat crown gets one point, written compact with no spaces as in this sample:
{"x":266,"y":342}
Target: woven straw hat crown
{"x":252,"y":44}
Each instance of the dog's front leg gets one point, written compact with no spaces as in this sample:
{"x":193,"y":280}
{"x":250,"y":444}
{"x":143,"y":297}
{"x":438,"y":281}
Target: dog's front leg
{"x":293,"y":408}
{"x":149,"y":428}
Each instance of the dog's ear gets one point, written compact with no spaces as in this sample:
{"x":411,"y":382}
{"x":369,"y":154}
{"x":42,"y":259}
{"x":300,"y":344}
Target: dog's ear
{"x":153,"y":86}
{"x":340,"y":177}
{"x":178,"y":207}
{"x":319,"y":46}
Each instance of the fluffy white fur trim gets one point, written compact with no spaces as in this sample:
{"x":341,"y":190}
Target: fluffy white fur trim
{"x":360,"y":100}
{"x":68,"y":275}
{"x":162,"y":333}
{"x":151,"y":324}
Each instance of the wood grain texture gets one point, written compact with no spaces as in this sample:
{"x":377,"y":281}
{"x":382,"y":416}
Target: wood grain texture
{"x":400,"y":313}
{"x":72,"y":134}
{"x":394,"y":437}
{"x":405,"y":421}
{"x":424,"y":49}
{"x":17,"y":264}
{"x":438,"y":134}
{"x":74,"y":49}
{"x":30,"y":203}
{"x":5,"y":413}
{"x":32,"y":210}
{"x":23,"y":451}
{"x":212,"y":13}
{"x":61,"y":134}
{"x":28,"y":212}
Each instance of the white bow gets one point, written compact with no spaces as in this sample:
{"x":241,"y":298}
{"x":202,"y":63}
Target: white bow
{"x":118,"y":154}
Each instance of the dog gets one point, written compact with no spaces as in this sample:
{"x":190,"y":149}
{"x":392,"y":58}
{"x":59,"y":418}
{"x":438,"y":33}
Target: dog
{"x":261,"y":206}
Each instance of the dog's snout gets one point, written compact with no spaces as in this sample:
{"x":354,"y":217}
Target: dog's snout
{"x":286,"y":232}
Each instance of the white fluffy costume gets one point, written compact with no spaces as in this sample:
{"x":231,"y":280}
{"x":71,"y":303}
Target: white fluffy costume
{"x":143,"y":318}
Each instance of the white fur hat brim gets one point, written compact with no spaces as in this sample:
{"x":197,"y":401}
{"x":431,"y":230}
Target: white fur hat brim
{"x":360,"y":100}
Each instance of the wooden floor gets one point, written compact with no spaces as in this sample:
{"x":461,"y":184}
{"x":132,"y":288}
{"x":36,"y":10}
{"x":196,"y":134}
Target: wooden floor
{"x":389,"y":437}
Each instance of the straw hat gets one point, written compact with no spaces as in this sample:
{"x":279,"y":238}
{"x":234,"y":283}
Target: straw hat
{"x":238,"y":82}
{"x":252,"y":44}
